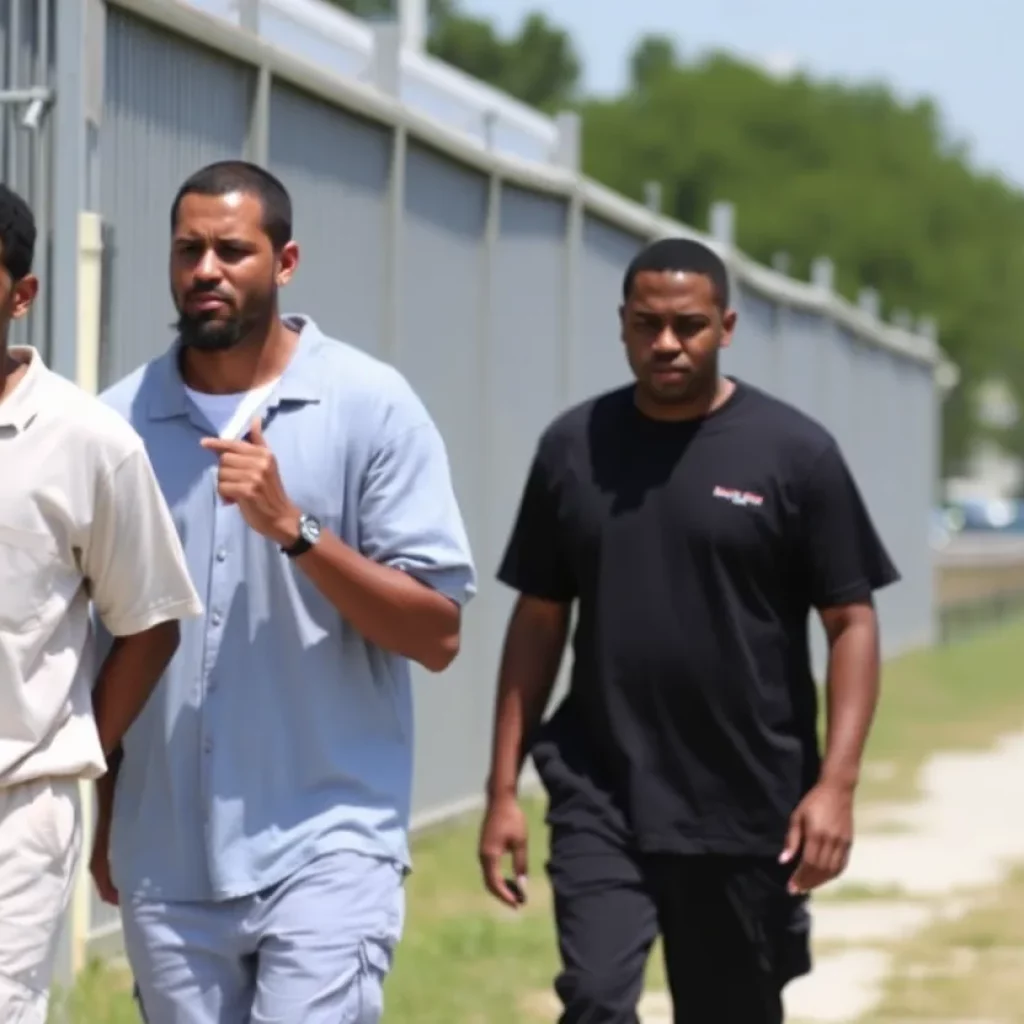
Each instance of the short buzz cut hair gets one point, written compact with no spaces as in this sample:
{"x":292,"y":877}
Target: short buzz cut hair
{"x":684,"y":256}
{"x":17,"y":234}
{"x":227,"y":176}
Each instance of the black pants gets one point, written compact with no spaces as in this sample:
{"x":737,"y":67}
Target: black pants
{"x":732,"y":935}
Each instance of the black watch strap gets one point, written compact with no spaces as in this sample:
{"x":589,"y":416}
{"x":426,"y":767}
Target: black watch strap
{"x":300,"y":547}
{"x":309,"y":534}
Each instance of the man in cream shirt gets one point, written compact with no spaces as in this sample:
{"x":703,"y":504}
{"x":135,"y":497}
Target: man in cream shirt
{"x":81,"y":519}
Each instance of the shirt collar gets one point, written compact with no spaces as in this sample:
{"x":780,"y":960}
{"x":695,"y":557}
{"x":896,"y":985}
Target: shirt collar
{"x":301,"y":381}
{"x":19,"y":408}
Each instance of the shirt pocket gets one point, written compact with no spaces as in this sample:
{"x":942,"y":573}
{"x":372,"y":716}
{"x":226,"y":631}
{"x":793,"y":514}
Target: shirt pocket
{"x":27,"y":577}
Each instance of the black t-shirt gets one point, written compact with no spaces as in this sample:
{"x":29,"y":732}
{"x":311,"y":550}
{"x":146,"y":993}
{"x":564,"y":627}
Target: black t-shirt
{"x":695,"y":552}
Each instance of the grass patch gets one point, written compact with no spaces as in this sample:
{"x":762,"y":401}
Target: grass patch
{"x":465,"y":960}
{"x":854,"y":892}
{"x":966,"y":969}
{"x":102,"y":995}
{"x":959,"y":697}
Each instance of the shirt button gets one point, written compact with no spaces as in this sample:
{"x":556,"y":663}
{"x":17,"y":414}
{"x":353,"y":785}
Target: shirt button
{"x":208,"y":746}
{"x":221,"y":555}
{"x":215,"y":618}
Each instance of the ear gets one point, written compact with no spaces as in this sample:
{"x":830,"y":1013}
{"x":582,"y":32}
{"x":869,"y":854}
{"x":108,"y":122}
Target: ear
{"x":287,"y":263}
{"x":728,"y":327}
{"x":23,"y":294}
{"x":622,"y":323}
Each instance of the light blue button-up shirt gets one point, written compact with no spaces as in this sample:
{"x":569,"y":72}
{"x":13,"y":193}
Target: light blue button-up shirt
{"x":278,"y":733}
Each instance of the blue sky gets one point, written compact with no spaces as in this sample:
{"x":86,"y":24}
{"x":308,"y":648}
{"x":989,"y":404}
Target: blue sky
{"x":967,"y":56}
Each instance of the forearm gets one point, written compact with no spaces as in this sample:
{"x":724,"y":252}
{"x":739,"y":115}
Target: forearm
{"x":852,"y":696}
{"x":529,"y":666}
{"x":127,"y":678}
{"x":386,"y":606}
{"x":105,"y":787}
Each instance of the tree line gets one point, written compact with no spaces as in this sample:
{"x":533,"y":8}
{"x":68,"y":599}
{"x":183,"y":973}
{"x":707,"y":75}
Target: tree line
{"x":814,"y":168}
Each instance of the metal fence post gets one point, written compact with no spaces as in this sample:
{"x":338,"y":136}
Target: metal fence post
{"x":68,"y":183}
{"x":387,"y":76}
{"x":257,"y":143}
{"x":569,"y":155}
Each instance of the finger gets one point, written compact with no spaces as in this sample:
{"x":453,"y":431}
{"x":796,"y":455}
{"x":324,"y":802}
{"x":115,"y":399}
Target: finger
{"x":494,"y":881}
{"x":838,"y":857}
{"x":238,"y":475}
{"x":794,"y":839}
{"x":810,"y":874}
{"x":220,"y":445}
{"x":234,"y":493}
{"x":520,"y":865}
{"x":256,"y":433}
{"x":251,"y":460}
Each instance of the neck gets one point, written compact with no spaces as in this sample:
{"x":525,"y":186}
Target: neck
{"x":256,"y":360}
{"x":712,"y":398}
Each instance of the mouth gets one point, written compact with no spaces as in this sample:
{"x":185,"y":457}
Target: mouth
{"x":669,"y":373}
{"x":206,"y":304}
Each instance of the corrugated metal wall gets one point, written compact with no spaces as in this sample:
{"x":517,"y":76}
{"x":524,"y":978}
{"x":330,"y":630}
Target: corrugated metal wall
{"x":498,"y":301}
{"x":169,"y":107}
{"x":26,"y":145}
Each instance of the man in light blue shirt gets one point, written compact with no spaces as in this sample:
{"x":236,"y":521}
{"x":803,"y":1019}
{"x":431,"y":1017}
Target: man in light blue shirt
{"x":258,"y":824}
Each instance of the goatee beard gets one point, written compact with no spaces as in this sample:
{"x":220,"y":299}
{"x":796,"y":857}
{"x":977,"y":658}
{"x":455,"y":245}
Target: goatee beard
{"x":210,"y":335}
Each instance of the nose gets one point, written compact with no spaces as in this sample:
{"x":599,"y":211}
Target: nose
{"x":207,"y":267}
{"x":667,"y":342}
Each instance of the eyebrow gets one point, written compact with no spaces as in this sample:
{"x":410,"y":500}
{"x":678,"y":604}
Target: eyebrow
{"x":694,"y":314}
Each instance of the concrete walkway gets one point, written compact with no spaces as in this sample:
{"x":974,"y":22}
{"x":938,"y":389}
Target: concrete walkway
{"x":964,"y":834}
{"x":957,"y":839}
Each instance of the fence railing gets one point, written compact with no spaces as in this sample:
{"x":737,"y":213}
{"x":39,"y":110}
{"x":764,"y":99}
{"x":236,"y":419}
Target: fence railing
{"x":341,"y":44}
{"x":491,"y":279}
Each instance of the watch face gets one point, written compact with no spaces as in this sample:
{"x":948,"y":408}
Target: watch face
{"x":309,"y":529}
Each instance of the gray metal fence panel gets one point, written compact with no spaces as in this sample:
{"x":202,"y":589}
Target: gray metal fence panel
{"x":753,"y":355}
{"x":526,"y":353}
{"x":336,"y":167}
{"x":169,"y":108}
{"x":598,"y":360}
{"x":527,"y":346}
{"x":801,"y":337}
{"x":26,"y":140}
{"x":441,"y":319}
{"x":493,"y":287}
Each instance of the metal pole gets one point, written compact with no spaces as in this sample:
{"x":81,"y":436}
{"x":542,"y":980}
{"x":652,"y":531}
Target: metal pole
{"x":14,"y":77}
{"x":387,"y":78}
{"x":571,"y":291}
{"x":40,"y":184}
{"x":258,"y":142}
{"x":413,"y":21}
{"x":68,"y":184}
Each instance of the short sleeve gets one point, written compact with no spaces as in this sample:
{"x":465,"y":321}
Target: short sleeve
{"x":408,"y":514}
{"x":843,"y":558}
{"x":132,"y":557}
{"x":536,"y":561}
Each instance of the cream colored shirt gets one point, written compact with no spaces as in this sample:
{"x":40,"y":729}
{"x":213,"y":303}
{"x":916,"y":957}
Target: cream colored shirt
{"x":81,"y":517}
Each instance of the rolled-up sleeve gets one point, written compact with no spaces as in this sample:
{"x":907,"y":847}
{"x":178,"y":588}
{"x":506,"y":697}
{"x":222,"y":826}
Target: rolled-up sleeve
{"x":133,"y":557}
{"x":409,"y":515}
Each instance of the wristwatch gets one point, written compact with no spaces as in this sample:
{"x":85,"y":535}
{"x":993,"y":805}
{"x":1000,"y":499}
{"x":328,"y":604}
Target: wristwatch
{"x":309,"y":534}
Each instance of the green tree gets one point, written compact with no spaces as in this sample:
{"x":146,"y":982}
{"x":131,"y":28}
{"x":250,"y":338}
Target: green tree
{"x":821,"y":168}
{"x":653,"y":57}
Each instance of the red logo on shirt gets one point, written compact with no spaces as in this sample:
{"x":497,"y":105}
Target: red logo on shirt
{"x":745,"y":498}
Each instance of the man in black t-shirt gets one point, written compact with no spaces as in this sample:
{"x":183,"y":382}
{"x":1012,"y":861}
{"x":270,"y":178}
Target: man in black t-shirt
{"x":694,"y":522}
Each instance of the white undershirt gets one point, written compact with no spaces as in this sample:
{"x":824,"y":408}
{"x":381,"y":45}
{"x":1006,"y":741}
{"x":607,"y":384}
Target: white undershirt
{"x":231,"y":415}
